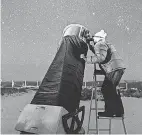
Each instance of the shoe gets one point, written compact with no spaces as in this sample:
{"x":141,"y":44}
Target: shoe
{"x":108,"y":114}
{"x":118,"y":115}
{"x":105,"y":114}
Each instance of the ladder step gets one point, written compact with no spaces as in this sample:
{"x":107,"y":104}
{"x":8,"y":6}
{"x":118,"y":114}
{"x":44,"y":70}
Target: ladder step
{"x":118,"y":118}
{"x":99,"y":129}
{"x":97,"y":109}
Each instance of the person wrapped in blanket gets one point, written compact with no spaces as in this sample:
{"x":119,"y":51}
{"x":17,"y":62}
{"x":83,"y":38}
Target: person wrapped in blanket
{"x":112,"y":66}
{"x":62,"y":84}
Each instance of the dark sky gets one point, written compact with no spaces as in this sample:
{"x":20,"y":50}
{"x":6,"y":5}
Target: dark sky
{"x":31,"y":30}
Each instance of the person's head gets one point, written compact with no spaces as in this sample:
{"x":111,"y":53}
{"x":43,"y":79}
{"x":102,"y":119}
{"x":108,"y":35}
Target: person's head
{"x":88,"y":36}
{"x":100,"y":36}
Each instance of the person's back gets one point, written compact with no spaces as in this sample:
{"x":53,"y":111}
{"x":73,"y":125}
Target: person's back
{"x":110,"y":59}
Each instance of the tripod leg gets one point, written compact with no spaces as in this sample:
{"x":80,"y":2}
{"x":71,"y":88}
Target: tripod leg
{"x":109,"y":126}
{"x":124,"y":126}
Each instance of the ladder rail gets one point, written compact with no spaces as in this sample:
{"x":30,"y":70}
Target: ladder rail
{"x":94,"y":89}
{"x":124,"y":127}
{"x":96,"y":98}
{"x":90,"y":111}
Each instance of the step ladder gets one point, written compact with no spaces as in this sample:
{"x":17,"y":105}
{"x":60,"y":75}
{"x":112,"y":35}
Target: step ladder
{"x":95,"y":108}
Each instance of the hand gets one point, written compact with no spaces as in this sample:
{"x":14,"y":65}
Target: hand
{"x":91,"y":47}
{"x":89,"y":59}
{"x":88,"y":37}
{"x":82,"y":56}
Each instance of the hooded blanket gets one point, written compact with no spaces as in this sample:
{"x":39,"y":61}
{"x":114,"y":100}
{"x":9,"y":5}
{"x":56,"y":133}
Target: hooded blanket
{"x":63,"y":81}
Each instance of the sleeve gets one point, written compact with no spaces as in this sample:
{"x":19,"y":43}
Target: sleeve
{"x":100,"y":51}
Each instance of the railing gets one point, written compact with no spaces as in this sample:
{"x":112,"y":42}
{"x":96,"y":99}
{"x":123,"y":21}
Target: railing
{"x":19,"y":84}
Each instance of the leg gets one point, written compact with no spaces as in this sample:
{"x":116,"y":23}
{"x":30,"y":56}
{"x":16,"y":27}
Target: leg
{"x":117,"y":98}
{"x":108,"y":94}
{"x":106,"y":91}
{"x":113,"y":102}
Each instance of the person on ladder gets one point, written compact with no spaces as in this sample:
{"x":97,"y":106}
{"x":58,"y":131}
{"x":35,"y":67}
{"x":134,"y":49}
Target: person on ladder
{"x":112,"y":66}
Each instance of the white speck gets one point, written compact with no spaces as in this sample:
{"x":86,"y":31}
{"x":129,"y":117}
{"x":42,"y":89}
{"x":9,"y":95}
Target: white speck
{"x":2,"y":22}
{"x":93,"y":13}
{"x":127,"y":28}
{"x":120,"y":19}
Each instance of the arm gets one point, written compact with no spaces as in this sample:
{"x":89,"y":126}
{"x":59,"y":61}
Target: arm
{"x":100,"y":49}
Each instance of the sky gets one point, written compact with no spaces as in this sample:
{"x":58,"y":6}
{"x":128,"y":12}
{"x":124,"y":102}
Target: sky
{"x":31,"y":31}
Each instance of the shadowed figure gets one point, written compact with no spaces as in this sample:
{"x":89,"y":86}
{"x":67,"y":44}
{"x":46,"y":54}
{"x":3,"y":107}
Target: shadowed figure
{"x":112,"y":66}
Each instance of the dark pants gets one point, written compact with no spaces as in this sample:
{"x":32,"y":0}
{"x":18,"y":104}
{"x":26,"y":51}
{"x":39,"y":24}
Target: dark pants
{"x":112,"y":98}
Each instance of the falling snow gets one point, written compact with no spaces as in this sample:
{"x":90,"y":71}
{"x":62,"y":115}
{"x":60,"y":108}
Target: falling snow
{"x":31,"y":29}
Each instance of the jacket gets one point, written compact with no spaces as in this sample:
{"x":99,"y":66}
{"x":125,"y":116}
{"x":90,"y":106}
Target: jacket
{"x":108,"y":58}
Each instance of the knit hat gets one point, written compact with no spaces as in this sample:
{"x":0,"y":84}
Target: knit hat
{"x":100,"y":35}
